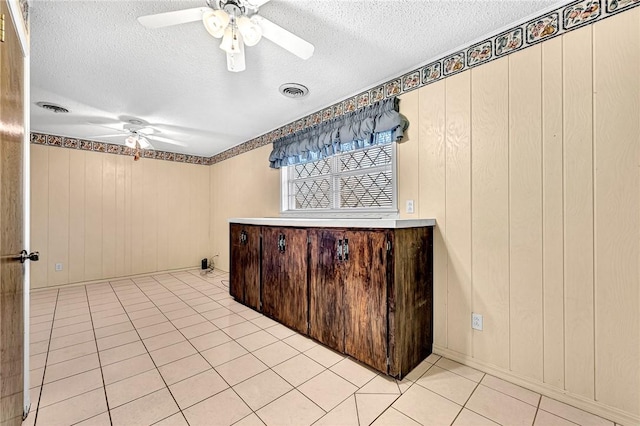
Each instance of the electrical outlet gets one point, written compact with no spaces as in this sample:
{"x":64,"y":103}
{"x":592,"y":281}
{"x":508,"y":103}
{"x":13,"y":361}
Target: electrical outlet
{"x":58,"y":267}
{"x":409,"y":206}
{"x":476,"y":321}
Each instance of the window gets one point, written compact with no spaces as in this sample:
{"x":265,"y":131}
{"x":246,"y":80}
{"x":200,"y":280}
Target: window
{"x":359,"y":179}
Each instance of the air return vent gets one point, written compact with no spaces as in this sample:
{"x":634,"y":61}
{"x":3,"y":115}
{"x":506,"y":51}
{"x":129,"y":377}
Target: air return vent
{"x":294,"y":90}
{"x":52,"y":107}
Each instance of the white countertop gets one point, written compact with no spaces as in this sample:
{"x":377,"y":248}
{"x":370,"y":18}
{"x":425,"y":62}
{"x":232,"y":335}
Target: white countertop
{"x":335,"y":222}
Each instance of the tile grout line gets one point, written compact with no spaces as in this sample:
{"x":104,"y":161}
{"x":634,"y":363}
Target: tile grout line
{"x":325,"y":369}
{"x":199,"y":353}
{"x":95,"y":341}
{"x":233,"y":339}
{"x":199,"y":287}
{"x":464,"y":406}
{"x":72,"y":344}
{"x":72,"y":375}
{"x":187,"y":339}
{"x":390,"y":406}
{"x":248,"y":353}
{"x":310,"y":378}
{"x":537,"y":411}
{"x":44,"y":372}
{"x":245,"y":320}
{"x":508,"y":395}
{"x":149,"y":354}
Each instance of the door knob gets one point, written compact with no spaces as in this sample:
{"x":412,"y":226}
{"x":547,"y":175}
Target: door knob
{"x":23,"y":256}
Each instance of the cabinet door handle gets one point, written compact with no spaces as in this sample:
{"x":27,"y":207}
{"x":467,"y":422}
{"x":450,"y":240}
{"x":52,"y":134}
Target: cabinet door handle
{"x":281,"y":243}
{"x":339,"y":249}
{"x":284,"y":243}
{"x":346,"y":249}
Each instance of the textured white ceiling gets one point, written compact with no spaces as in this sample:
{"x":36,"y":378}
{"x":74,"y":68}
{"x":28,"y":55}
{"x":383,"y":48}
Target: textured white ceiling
{"x":94,"y":58}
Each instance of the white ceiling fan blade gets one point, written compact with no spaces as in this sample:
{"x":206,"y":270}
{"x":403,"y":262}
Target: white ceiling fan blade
{"x":177,"y":17}
{"x":144,"y":143}
{"x":115,"y":127}
{"x":119,"y":135}
{"x":284,"y":38}
{"x":165,"y":140}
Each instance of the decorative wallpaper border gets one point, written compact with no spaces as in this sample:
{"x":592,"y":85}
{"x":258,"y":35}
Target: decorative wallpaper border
{"x":566,"y":18}
{"x":559,"y":21}
{"x":111,"y":148}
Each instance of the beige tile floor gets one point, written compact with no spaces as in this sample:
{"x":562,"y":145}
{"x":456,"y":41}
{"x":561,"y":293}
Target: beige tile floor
{"x":175,"y":349}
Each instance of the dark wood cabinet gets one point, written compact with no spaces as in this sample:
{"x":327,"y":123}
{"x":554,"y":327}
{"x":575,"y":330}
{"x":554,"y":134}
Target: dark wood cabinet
{"x":365,"y":297}
{"x":244,"y":282}
{"x":326,"y":292}
{"x":284,"y":276}
{"x":367,"y":293}
{"x":410,"y":298}
{"x":348,"y":291}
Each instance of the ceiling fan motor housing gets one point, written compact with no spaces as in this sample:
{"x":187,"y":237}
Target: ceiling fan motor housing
{"x":233,"y":7}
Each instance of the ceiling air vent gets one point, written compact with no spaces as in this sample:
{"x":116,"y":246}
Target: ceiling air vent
{"x":294,"y":90}
{"x":52,"y":107}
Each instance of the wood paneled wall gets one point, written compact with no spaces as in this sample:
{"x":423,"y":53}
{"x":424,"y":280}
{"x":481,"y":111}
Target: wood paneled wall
{"x":242,"y":186}
{"x":528,"y":163}
{"x":105,"y":216}
{"x":530,"y":166}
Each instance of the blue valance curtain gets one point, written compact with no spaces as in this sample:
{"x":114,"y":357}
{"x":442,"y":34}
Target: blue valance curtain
{"x":359,"y":128}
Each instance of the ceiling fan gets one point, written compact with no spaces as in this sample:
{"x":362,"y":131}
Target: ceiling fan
{"x":238,"y":24}
{"x":139,"y":135}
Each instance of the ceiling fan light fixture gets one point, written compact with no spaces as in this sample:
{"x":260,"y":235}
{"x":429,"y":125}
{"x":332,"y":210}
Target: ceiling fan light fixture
{"x":250,"y":30}
{"x":131,"y":141}
{"x":144,"y":142}
{"x":215,"y":22}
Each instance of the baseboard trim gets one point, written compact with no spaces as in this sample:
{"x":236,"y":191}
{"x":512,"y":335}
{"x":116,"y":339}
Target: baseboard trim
{"x":594,"y":407}
{"x":124,"y":277}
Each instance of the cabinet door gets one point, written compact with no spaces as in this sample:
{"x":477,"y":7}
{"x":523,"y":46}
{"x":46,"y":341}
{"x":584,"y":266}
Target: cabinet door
{"x":237,"y":262}
{"x":410,"y":299}
{"x":251,"y":267}
{"x":365,"y":297}
{"x":326,"y":316}
{"x":284,"y":276}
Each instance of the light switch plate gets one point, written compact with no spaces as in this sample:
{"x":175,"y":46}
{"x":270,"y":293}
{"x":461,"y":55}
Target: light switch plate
{"x":58,"y":267}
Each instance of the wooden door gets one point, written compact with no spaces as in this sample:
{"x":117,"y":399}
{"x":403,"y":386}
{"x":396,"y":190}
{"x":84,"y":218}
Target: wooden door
{"x":284,"y":276}
{"x":11,"y":224}
{"x":237,"y":261}
{"x":365,"y":297}
{"x":251,"y":267}
{"x":326,"y":316}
